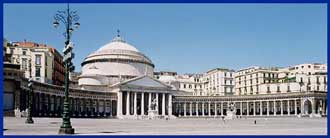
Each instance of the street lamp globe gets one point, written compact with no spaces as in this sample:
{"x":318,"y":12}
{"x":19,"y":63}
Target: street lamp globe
{"x":56,"y":24}
{"x":70,"y":30}
{"x":76,"y":25}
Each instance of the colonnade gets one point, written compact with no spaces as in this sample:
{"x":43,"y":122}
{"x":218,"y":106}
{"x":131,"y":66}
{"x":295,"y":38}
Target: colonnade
{"x":276,"y":107}
{"x":52,"y":106}
{"x":139,"y":103}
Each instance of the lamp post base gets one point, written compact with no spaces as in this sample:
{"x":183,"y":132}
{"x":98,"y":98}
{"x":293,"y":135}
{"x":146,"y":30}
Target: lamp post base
{"x":66,"y":131}
{"x":29,"y":121}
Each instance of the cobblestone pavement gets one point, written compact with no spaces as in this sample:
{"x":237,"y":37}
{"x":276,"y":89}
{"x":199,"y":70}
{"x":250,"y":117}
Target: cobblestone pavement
{"x":242,"y":126}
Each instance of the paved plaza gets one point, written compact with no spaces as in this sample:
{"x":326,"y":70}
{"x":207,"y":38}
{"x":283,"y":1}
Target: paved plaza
{"x":242,"y":126}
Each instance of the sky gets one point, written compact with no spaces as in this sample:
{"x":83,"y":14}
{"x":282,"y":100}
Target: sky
{"x":186,"y":38}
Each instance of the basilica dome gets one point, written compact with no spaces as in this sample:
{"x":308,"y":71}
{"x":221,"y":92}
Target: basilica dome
{"x":113,"y":62}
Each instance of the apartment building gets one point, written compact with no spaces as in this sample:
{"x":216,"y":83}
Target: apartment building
{"x":219,"y":82}
{"x":43,"y":63}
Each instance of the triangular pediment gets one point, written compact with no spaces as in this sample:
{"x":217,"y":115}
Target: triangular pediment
{"x":146,"y":81}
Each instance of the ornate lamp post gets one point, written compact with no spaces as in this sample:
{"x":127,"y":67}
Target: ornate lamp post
{"x":29,"y":119}
{"x":67,"y":18}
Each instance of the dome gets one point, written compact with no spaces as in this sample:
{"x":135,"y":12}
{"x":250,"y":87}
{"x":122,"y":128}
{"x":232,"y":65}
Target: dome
{"x":118,"y":43}
{"x":114,"y":61}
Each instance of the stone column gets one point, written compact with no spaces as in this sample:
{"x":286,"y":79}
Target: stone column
{"x":241,"y":108}
{"x":91,"y":101}
{"x":313,"y":106}
{"x":120,"y":104}
{"x":49,"y":106}
{"x":267,"y":108}
{"x":215,"y":109}
{"x":110,"y":107}
{"x":288,"y":107}
{"x":135,"y":103}
{"x":302,"y":108}
{"x":281,"y":107}
{"x":84,"y":107}
{"x":190,"y":108}
{"x":261,"y":109}
{"x":163,"y":104}
{"x":40,"y":103}
{"x":209,"y":108}
{"x":149,"y":100}
{"x":184,"y":109}
{"x":142,"y":103}
{"x":169,"y":104}
{"x":128,"y":103}
{"x":157,"y":108}
{"x":323,"y":107}
{"x":196,"y":109}
{"x":98,"y":106}
{"x":203,"y":114}
{"x":254,"y":106}
{"x":247,"y":108}
{"x":54,"y":105}
{"x":295,"y":107}
{"x":78,"y":107}
{"x":72,"y":105}
{"x":104,"y":107}
{"x":274,"y":108}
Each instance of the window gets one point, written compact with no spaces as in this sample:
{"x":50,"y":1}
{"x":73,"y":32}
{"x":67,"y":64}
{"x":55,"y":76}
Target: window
{"x":301,"y":79}
{"x":225,"y":74}
{"x":309,"y":73}
{"x":268,"y":89}
{"x":289,"y":88}
{"x":37,"y":72}
{"x":278,"y":88}
{"x":309,"y":66}
{"x":302,"y":67}
{"x":11,"y":51}
{"x":231,"y":82}
{"x":24,"y":51}
{"x":24,"y":63}
{"x":184,"y":86}
{"x":38,"y":59}
{"x":257,"y":90}
{"x":46,"y":60}
{"x":309,"y":80}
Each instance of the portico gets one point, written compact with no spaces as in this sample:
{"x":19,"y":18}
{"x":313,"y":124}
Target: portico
{"x":136,"y":97}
